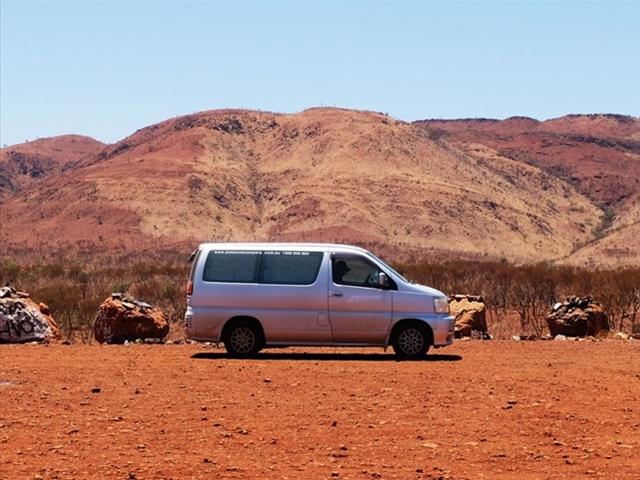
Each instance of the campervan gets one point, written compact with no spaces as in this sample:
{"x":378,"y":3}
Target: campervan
{"x":255,"y":295}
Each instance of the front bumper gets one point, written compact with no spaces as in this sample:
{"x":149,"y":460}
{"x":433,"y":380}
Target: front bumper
{"x":443,"y":336}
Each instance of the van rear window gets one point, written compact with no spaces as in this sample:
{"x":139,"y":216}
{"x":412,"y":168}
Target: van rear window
{"x":232,"y":266}
{"x":272,"y":267}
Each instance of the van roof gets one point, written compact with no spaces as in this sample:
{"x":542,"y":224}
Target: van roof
{"x":283,"y":246}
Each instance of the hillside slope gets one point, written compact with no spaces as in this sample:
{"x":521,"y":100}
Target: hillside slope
{"x":319,"y":175}
{"x":598,"y":154}
{"x":26,"y":164}
{"x":616,"y":246}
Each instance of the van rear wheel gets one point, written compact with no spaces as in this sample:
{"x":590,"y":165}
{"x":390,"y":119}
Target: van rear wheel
{"x":411,"y":341}
{"x":242,"y":339}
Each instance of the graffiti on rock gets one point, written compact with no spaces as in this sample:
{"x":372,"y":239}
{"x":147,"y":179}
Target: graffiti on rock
{"x":18,"y":323}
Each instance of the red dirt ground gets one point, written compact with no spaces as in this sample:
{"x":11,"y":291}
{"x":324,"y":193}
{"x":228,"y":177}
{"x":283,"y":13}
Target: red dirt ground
{"x":475,"y":410}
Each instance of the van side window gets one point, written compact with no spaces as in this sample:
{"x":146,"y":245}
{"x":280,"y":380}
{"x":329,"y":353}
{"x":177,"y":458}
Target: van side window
{"x":232,"y":266}
{"x":291,"y":268}
{"x":354,"y":270}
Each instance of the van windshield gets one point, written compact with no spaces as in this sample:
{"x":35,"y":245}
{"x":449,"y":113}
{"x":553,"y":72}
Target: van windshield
{"x":387,"y":266}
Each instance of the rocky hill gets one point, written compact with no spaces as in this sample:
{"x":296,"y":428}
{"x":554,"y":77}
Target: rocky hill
{"x":598,"y":155}
{"x":23,"y":165}
{"x":407,"y":190}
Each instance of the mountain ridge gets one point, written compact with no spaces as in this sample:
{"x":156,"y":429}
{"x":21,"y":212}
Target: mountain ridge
{"x":408,"y":189}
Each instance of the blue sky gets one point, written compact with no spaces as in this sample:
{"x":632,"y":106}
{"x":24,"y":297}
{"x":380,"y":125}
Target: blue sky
{"x":105,"y":69}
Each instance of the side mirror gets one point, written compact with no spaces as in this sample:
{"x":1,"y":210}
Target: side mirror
{"x":383,"y":280}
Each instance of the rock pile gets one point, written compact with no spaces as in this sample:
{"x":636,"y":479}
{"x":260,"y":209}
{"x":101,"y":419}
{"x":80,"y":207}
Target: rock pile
{"x":470,"y":314}
{"x":577,"y":317}
{"x":22,"y":320}
{"x":121,"y":318}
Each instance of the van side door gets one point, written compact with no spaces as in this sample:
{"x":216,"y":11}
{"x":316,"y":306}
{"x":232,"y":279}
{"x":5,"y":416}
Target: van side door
{"x":359,"y":308}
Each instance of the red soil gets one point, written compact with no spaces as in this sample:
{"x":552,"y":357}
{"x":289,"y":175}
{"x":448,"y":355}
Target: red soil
{"x":475,"y":410}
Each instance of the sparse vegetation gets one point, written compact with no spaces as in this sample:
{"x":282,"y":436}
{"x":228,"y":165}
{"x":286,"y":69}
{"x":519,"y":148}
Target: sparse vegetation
{"x":531,"y":290}
{"x":605,"y":222}
{"x":74,"y":290}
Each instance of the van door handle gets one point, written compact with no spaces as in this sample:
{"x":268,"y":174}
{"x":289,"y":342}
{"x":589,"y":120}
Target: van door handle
{"x":336,"y":294}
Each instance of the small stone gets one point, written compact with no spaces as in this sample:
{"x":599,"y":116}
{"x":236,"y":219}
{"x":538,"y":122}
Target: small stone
{"x":334,"y":423}
{"x":95,"y":389}
{"x":429,"y":445}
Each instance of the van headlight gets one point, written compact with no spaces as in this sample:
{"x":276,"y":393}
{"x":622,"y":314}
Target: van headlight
{"x":441,"y":305}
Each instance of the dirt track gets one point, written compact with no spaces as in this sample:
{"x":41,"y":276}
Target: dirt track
{"x":475,"y":410}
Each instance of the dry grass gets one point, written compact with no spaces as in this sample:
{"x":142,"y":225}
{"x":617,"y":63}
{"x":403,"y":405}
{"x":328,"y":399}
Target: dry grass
{"x":518,"y":298}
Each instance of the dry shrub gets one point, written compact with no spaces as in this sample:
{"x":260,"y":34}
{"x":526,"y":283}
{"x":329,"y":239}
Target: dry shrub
{"x":74,"y":286}
{"x":531,"y":290}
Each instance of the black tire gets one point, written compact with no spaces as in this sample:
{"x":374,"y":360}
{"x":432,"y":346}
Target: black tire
{"x":243,"y":338}
{"x":411,"y":341}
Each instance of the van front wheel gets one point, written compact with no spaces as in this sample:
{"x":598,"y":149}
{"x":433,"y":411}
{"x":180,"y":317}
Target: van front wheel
{"x":411,"y":341}
{"x":242,"y":339}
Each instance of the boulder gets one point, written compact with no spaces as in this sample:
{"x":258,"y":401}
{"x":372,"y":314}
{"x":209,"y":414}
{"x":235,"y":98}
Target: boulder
{"x":23,"y":320}
{"x":123,"y":318}
{"x":470,"y":314}
{"x":577,"y":317}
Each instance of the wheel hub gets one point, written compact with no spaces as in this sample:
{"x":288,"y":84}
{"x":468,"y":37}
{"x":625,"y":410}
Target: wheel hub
{"x":411,"y":341}
{"x":243,"y":340}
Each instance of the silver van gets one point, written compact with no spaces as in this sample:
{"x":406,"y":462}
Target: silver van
{"x":250,"y":296}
